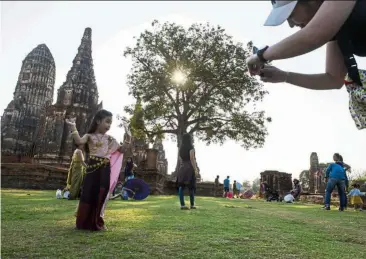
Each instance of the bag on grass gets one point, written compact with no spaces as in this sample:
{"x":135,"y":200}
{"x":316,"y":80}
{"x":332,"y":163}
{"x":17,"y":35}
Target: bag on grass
{"x":58,"y":194}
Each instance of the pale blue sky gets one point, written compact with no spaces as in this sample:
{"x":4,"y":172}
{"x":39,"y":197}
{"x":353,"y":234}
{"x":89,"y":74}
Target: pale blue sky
{"x":304,"y":121}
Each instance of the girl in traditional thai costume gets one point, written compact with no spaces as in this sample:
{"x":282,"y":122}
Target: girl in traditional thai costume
{"x":76,"y":173}
{"x":95,"y":190}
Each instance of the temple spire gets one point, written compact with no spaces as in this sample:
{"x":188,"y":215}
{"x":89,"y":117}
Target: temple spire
{"x":80,"y":88}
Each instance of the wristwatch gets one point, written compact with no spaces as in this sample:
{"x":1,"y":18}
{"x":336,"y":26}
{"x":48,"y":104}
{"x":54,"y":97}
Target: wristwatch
{"x":260,"y":54}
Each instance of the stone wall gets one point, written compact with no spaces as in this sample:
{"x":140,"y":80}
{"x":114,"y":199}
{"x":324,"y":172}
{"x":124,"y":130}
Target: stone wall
{"x":277,"y":181}
{"x":30,"y":176}
{"x":202,"y":189}
{"x":44,"y":177}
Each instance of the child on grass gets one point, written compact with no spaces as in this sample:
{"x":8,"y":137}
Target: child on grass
{"x":355,"y":197}
{"x":96,"y":185}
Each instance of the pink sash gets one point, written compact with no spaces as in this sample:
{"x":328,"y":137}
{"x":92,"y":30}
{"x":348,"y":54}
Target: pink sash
{"x":116,"y":165}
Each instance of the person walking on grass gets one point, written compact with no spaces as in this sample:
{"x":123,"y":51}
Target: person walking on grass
{"x":226,"y":186}
{"x":335,"y":176}
{"x":188,"y":171}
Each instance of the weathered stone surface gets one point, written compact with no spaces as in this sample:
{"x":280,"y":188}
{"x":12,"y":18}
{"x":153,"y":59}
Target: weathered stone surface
{"x":278,"y":181}
{"x":28,"y":176}
{"x":162,"y":162}
{"x":44,"y":177}
{"x":77,"y":98}
{"x":21,"y":121}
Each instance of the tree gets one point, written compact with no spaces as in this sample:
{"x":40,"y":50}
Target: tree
{"x":246,"y":185}
{"x":256,"y":185}
{"x":195,"y":81}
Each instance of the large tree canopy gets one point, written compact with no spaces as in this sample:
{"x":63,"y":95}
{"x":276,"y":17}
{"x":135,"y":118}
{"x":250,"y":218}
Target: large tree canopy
{"x":195,"y":80}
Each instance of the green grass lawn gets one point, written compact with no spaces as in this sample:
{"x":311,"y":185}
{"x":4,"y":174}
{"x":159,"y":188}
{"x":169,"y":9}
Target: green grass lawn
{"x":35,"y":224}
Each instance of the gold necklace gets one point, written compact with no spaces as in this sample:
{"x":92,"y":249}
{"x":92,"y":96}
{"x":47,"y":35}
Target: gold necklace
{"x":99,"y":143}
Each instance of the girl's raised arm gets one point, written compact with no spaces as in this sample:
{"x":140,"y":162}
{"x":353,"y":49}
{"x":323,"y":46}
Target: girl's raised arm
{"x":75,"y":134}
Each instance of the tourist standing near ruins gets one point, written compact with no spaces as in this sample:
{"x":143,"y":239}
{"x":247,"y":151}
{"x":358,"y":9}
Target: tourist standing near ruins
{"x":335,"y":175}
{"x":346,"y":168}
{"x":226,"y":186}
{"x":235,"y":190}
{"x":76,"y":173}
{"x":216,"y":186}
{"x":338,"y":24}
{"x":99,"y":147}
{"x":188,"y":171}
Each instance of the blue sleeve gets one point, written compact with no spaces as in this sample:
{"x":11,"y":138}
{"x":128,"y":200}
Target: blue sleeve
{"x":328,"y":171}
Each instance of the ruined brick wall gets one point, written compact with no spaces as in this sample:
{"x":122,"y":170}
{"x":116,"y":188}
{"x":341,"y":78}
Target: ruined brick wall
{"x":28,"y":176}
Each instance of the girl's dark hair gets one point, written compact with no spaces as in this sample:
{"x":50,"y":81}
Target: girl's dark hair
{"x":337,"y":157}
{"x":100,"y":115}
{"x":186,"y":145}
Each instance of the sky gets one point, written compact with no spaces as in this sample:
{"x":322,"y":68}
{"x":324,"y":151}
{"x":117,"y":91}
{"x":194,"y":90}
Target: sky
{"x":303,"y":121}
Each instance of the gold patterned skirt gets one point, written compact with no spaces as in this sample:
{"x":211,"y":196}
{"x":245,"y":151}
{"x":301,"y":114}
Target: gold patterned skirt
{"x":356,"y":200}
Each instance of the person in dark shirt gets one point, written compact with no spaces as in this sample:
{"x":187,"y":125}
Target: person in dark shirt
{"x":216,"y":186}
{"x":297,"y":189}
{"x":235,"y":189}
{"x":226,"y":186}
{"x":188,"y":171}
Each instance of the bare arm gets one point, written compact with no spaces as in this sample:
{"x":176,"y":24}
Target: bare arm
{"x":75,"y":134}
{"x":81,"y":158}
{"x":193,"y":159}
{"x":125,"y":145}
{"x":333,"y":78}
{"x":323,"y":27}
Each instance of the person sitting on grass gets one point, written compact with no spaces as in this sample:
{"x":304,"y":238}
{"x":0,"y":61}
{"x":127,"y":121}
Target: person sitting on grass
{"x":296,"y":192}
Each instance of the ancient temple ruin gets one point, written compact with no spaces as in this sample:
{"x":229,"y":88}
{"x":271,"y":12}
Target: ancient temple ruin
{"x":277,"y":181}
{"x":162,"y":162}
{"x":77,"y":98}
{"x":21,"y":121}
{"x":314,"y":177}
{"x":31,"y":125}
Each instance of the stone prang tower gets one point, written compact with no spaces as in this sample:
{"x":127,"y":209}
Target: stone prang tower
{"x":21,"y":121}
{"x":77,"y":97}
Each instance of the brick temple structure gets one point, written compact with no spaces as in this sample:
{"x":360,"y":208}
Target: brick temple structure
{"x":31,"y":125}
{"x":312,"y":180}
{"x":162,"y":162}
{"x":278,"y":181}
{"x":78,"y":98}
{"x":21,"y":121}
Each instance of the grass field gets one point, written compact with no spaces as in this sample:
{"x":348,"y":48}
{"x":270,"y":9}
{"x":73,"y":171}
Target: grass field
{"x":35,"y":224}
